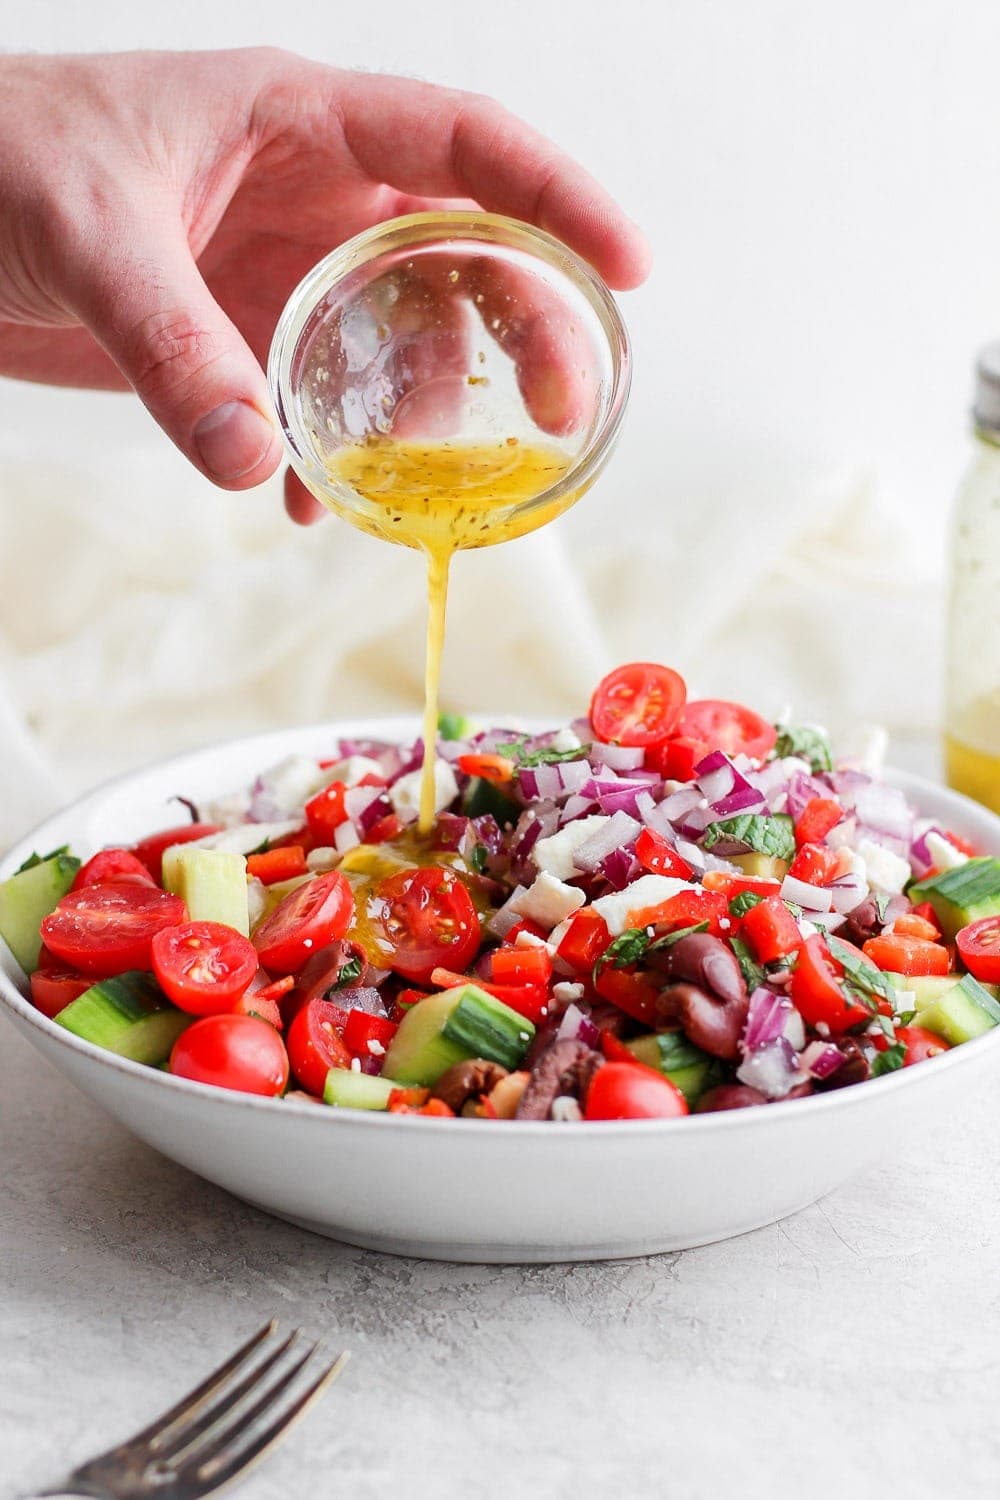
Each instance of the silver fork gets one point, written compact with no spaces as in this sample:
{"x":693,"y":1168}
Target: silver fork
{"x":197,"y":1446}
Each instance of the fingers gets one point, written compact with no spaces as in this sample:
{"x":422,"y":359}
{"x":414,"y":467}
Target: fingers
{"x":302,"y":507}
{"x":147,"y":305}
{"x":425,"y":140}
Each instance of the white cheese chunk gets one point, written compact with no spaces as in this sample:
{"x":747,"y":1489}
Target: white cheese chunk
{"x":405,"y":793}
{"x":568,"y":991}
{"x":351,"y":770}
{"x":565,"y":740}
{"x":555,"y":854}
{"x":548,"y":901}
{"x":943,"y":853}
{"x":648,"y":890}
{"x":884,"y":870}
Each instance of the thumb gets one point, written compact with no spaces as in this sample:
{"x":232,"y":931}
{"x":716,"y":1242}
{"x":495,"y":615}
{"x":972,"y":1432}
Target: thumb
{"x":149,"y":308}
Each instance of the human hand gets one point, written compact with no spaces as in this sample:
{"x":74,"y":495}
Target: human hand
{"x":157,"y":209}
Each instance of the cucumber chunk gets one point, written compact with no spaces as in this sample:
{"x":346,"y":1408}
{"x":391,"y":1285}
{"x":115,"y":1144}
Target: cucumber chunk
{"x":687,"y":1067}
{"x":928,"y":988}
{"x":448,"y":1028}
{"x":965,"y":1010}
{"x":963,"y":894}
{"x":211,"y":882}
{"x":483,"y":797}
{"x":346,"y":1089}
{"x":29,"y":896}
{"x":127,"y":1015}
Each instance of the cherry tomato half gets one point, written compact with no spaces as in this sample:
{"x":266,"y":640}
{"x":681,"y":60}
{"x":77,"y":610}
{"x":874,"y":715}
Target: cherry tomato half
{"x":315,"y":1044}
{"x":638,"y":704}
{"x":106,"y":929}
{"x":232,"y":1052}
{"x":308,"y":918}
{"x":112,"y":867}
{"x":203,"y":966}
{"x":979,"y":945}
{"x":52,"y":989}
{"x":621,"y":1091}
{"x":729,"y":727}
{"x":817,"y":992}
{"x":426,"y":920}
{"x":920,"y":1044}
{"x":150,"y":850}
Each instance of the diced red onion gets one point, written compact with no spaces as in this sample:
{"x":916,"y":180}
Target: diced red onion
{"x":820,"y":1059}
{"x":801,"y":789}
{"x":370,"y":1064}
{"x":345,"y":837}
{"x":574,"y":775}
{"x":885,"y":809}
{"x":576,"y":1027}
{"x":766,"y":1018}
{"x":812,"y":898}
{"x":618,"y":757}
{"x":361,"y":997}
{"x":370,"y":815}
{"x":358,"y":798}
{"x":620,"y":829}
{"x":619,"y":866}
{"x":847,"y":892}
{"x":680,"y":803}
{"x":773,"y":1069}
{"x":506,"y":916}
{"x":921,"y":857}
{"x":745,"y":799}
{"x":575,"y":807}
{"x":451,"y":831}
{"x":542,"y":782}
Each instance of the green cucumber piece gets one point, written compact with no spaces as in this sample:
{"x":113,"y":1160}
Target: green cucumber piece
{"x":963,"y":894}
{"x":211,"y":882}
{"x":687,"y":1067}
{"x":449,"y":1028}
{"x":927,"y":988}
{"x":484,"y":1027}
{"x":454,"y":726}
{"x":29,"y":896}
{"x":483,"y":797}
{"x":127,"y":1015}
{"x":346,"y":1089}
{"x":965,"y":1011}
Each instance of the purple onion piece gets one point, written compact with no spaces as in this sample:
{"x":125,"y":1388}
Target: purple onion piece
{"x":766,"y":1019}
{"x":773,"y":1069}
{"x":360,"y":997}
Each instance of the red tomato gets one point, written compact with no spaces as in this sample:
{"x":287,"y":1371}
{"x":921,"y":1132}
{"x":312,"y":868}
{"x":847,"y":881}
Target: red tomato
{"x":655,"y":854}
{"x":314,"y":914}
{"x":427,"y":919}
{"x":524,"y":926}
{"x":815,"y":864}
{"x":633,"y":993}
{"x":52,"y":989}
{"x":675,"y":759}
{"x":203,"y":966}
{"x":497,"y":769}
{"x":584,"y":940}
{"x":384,"y":829}
{"x":112,"y":867}
{"x":106,"y":929}
{"x":521,"y":966}
{"x":979,"y":945}
{"x":735,"y":885}
{"x":907,"y":955}
{"x":729,"y":727}
{"x":929,"y":915}
{"x":771,"y":930}
{"x":325,"y":812}
{"x":816,"y":819}
{"x":686,"y":909}
{"x":256,"y":1003}
{"x":274,"y":991}
{"x":232,"y":1052}
{"x":315,"y":1044}
{"x":150,"y":850}
{"x":621,"y":1091}
{"x":639,"y":704}
{"x":529,"y":1000}
{"x":920,"y":1044}
{"x":817,"y":992}
{"x":275,"y":865}
{"x":363,"y":1028}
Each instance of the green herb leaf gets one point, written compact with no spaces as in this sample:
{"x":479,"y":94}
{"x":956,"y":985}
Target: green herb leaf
{"x":882,"y":899}
{"x":478,"y":858}
{"x":889,"y":1060}
{"x":626,"y":949}
{"x":807,"y":743}
{"x":753,"y":974}
{"x":676,"y":1051}
{"x":905,"y":1017}
{"x":763,"y":835}
{"x":741,"y":904}
{"x":670,"y":938}
{"x":260,"y":849}
{"x":525,"y":760}
{"x":347,"y":975}
{"x":35,"y":858}
{"x":861,"y":975}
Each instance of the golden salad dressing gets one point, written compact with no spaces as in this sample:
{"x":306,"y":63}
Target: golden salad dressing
{"x":974,"y":772}
{"x":443,"y":498}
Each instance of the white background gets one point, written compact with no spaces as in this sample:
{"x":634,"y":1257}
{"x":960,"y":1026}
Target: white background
{"x":820,"y":187}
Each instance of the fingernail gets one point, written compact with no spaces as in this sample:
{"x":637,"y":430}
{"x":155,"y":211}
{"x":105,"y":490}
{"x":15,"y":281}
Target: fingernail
{"x":233,"y":439}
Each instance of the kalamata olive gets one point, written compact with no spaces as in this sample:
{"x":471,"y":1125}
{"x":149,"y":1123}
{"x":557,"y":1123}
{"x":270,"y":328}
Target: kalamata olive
{"x":714,"y":1025}
{"x":467,"y":1080}
{"x":729,"y":1096}
{"x":706,"y":961}
{"x":565,"y":1068}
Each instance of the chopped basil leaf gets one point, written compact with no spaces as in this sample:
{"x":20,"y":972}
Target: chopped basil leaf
{"x":526,"y":760}
{"x":889,"y":1060}
{"x":861,"y":975}
{"x":676,"y":1051}
{"x":887,"y":1026}
{"x":626,"y":949}
{"x":807,"y":743}
{"x":478,"y":858}
{"x":35,"y":858}
{"x":753,"y":974}
{"x":881,"y":904}
{"x":773,"y":835}
{"x":741,"y":904}
{"x":347,"y":975}
{"x":670,"y":938}
{"x":905,"y":1017}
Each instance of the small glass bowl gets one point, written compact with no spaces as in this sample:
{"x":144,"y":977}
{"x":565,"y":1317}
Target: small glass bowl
{"x":459,"y":329}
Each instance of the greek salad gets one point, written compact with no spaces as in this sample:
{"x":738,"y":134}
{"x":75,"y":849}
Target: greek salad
{"x":668,"y":906}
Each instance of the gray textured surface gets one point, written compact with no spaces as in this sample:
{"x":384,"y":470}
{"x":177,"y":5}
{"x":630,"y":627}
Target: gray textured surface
{"x":853,"y":1350}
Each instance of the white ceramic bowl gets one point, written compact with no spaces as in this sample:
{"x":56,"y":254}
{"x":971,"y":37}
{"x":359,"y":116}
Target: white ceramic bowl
{"x":458,"y":1190}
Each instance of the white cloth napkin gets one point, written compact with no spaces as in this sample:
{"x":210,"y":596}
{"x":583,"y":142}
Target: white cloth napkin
{"x":143,"y":611}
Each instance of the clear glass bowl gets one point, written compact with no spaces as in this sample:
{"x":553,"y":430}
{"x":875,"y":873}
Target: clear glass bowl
{"x":452,"y":331}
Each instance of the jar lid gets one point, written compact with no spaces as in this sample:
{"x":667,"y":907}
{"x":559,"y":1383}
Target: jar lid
{"x":986,"y":411}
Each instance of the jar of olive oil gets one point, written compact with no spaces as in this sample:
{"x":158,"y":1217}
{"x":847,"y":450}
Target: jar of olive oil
{"x":972,"y":691}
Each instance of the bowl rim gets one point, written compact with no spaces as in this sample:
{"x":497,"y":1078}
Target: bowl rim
{"x":12,"y":999}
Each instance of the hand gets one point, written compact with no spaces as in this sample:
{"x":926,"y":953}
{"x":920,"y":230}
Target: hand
{"x":157,"y":209}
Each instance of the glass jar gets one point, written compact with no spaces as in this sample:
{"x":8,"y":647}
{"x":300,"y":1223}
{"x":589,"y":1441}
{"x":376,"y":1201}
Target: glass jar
{"x":972,"y":690}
